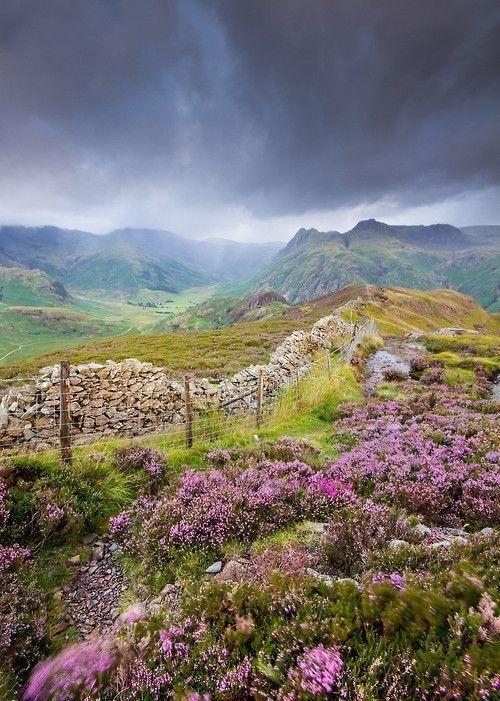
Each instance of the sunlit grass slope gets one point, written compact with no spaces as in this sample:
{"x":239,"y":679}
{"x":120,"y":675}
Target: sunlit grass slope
{"x":397,"y":310}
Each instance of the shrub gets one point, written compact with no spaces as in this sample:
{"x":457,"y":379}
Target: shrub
{"x":22,"y":614}
{"x":136,"y":457}
{"x":357,"y":529}
{"x":210,"y":509}
{"x":293,"y":639}
{"x":287,"y":449}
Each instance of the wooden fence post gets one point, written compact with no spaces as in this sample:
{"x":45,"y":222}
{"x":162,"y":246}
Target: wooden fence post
{"x":329,"y":363}
{"x":297,"y":383}
{"x":64,"y":420}
{"x":260,"y":392}
{"x":188,"y":413}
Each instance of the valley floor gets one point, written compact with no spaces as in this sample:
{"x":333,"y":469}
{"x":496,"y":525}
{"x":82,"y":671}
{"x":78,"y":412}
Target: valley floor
{"x":29,"y":331}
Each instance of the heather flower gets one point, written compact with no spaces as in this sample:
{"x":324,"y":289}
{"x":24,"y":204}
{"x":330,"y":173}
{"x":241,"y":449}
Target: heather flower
{"x":218,"y":457}
{"x":11,"y":555}
{"x":77,"y":669}
{"x":4,"y":511}
{"x":394,"y":578}
{"x":422,"y":460}
{"x":133,"y":614}
{"x":289,"y":448}
{"x":208,"y":509}
{"x":358,"y":529}
{"x":318,"y":671}
{"x":151,"y":461}
{"x":119,"y":524}
{"x":51,"y":516}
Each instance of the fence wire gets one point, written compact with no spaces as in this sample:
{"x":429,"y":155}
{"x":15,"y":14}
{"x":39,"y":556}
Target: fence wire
{"x":206,"y":426}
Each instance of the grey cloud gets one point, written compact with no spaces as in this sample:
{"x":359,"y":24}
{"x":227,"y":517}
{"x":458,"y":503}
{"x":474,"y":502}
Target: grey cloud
{"x":278,"y":107}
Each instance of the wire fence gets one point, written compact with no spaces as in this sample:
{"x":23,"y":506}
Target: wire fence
{"x":53,"y":425}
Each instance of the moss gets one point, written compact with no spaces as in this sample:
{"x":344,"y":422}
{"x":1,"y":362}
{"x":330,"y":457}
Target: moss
{"x":293,"y":535}
{"x":389,"y":390}
{"x":459,"y":376}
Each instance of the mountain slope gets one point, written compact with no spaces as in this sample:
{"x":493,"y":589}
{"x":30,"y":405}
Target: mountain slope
{"x":21,"y":287}
{"x":476,"y":273}
{"x":483,"y":235}
{"x":314,"y":262}
{"x":125,"y":269}
{"x":155,"y":257}
{"x":46,"y":247}
{"x":220,"y":258}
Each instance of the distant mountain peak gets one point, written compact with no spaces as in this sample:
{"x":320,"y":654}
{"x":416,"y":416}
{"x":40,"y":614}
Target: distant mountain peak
{"x":306,"y":237}
{"x":369,"y":224}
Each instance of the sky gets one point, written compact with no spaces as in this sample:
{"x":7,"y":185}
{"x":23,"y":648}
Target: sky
{"x":249,"y":118}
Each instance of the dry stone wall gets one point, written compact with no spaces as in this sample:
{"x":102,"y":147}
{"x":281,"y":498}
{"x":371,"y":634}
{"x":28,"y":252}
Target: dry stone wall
{"x":131,"y":398}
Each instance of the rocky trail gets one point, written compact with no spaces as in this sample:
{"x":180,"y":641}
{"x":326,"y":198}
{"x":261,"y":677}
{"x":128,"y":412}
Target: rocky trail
{"x":93,"y":595}
{"x":394,"y":357}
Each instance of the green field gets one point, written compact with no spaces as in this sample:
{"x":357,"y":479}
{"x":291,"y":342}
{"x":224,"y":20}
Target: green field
{"x":223,"y":351}
{"x":30,"y":331}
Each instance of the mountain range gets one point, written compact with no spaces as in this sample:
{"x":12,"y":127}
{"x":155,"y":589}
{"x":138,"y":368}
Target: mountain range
{"x":126,"y":260}
{"x":316,"y":262}
{"x":312,"y":263}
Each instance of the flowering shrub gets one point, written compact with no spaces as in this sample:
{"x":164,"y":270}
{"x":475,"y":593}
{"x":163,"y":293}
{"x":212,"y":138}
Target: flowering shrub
{"x":356,"y":530}
{"x":317,"y":673}
{"x":417,"y":365}
{"x":218,"y":457}
{"x":292,"y":639}
{"x":394,"y":578}
{"x":21,"y":611}
{"x":137,"y":457}
{"x":208,"y":509}
{"x":432,"y":375}
{"x":287,"y":448}
{"x":426,"y":458}
{"x":76,"y":670}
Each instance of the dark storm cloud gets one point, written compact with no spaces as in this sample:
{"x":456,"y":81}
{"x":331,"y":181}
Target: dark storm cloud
{"x":278,"y":106}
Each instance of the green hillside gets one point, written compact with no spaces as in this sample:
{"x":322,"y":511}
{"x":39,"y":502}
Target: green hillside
{"x":476,"y":273}
{"x":124,"y":270}
{"x":314,"y":263}
{"x":19,"y":286}
{"x":223,"y":310}
{"x":224,"y":351}
{"x":28,"y":331}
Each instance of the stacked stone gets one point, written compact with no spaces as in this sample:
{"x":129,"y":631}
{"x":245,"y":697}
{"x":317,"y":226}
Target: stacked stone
{"x":131,"y":398}
{"x":125,"y":398}
{"x":292,"y":358}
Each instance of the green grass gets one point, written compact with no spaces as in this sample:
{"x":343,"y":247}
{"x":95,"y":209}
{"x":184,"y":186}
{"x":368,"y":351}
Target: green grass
{"x":225,"y":350}
{"x":30,"y":332}
{"x":459,"y":376}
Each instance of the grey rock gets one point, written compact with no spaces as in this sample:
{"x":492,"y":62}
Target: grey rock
{"x":395,"y":544}
{"x":423,"y":530}
{"x":318,"y":575}
{"x":234,"y":571}
{"x":441,"y":545}
{"x":348,"y":580}
{"x":215,"y":568}
{"x":486,"y":532}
